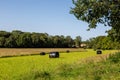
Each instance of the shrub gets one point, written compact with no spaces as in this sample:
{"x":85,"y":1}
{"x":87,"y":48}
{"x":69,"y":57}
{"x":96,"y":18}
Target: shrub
{"x":114,"y":57}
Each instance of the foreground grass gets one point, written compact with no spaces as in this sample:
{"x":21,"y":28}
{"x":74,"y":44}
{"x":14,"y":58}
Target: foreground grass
{"x":67,"y":67}
{"x":108,"y":69}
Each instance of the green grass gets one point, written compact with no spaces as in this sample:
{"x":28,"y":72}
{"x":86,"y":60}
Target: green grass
{"x":108,"y":69}
{"x":43,"y":68}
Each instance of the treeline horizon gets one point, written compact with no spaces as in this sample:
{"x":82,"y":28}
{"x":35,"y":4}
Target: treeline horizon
{"x":102,"y":42}
{"x":19,"y":39}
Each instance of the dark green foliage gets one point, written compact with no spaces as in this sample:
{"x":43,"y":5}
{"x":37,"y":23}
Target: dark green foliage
{"x":19,"y":39}
{"x":94,"y":12}
{"x":2,"y":42}
{"x":113,"y":35}
{"x":115,"y":58}
{"x":77,"y":41}
{"x":102,"y":42}
{"x":4,"y":34}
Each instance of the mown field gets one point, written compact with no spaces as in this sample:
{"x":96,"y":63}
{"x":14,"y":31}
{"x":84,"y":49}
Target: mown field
{"x":7,"y":52}
{"x":38,"y":67}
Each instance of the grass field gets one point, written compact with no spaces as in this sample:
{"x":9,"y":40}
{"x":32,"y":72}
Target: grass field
{"x":18,"y":68}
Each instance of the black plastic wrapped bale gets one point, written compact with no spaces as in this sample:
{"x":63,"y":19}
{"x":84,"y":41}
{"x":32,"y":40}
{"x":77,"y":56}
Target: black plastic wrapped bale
{"x":99,"y":52}
{"x":54,"y":55}
{"x":67,"y":51}
{"x":42,"y":53}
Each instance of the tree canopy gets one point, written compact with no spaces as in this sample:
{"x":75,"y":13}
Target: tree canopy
{"x":19,"y":39}
{"x":102,"y":42}
{"x":96,"y":12}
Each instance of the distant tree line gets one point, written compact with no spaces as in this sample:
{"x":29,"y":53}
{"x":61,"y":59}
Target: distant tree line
{"x":19,"y":39}
{"x":103,"y":42}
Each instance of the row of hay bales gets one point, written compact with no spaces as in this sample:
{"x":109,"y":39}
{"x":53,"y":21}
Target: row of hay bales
{"x":56,"y":54}
{"x":51,"y":54}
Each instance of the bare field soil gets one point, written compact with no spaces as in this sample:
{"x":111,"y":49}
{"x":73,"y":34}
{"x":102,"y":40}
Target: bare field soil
{"x":33,"y":51}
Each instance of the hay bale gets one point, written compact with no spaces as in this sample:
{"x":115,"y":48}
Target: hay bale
{"x":54,"y":55}
{"x":67,"y":51}
{"x":42,"y":53}
{"x":99,"y":52}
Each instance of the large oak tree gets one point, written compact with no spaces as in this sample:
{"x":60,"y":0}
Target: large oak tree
{"x":96,"y":12}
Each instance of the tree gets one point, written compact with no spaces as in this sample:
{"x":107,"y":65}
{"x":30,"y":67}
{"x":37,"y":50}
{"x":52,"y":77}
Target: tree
{"x":43,"y":39}
{"x":113,"y":35}
{"x":35,"y":40}
{"x":16,"y":34}
{"x":25,"y":40}
{"x":90,"y":43}
{"x":10,"y":42}
{"x":4,"y":34}
{"x":102,"y":42}
{"x":93,"y":12}
{"x":56,"y":41}
{"x":2,"y":42}
{"x":19,"y":39}
{"x":77,"y":41}
{"x":69,"y":41}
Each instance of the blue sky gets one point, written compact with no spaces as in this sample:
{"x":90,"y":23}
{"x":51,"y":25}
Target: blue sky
{"x":44,"y":16}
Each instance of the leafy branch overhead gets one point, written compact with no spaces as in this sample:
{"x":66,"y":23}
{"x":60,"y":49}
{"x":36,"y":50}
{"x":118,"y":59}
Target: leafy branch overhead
{"x":93,"y":12}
